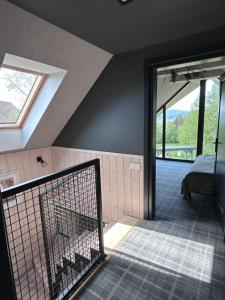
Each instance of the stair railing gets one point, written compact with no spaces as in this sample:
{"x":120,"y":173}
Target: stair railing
{"x":51,"y":233}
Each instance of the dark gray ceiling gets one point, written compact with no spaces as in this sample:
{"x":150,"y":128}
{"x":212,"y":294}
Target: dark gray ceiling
{"x":122,"y":28}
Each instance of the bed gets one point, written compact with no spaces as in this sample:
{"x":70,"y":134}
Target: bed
{"x":200,"y":178}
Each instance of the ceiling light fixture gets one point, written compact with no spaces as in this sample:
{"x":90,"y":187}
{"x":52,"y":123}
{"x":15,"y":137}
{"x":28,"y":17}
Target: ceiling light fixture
{"x":123,"y":2}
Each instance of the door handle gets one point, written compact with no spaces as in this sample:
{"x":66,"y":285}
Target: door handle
{"x":217,"y":142}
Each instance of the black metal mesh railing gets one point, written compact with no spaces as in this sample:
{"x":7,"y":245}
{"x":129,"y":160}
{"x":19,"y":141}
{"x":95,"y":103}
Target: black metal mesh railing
{"x":53,"y":231}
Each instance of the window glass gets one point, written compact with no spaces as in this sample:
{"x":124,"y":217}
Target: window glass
{"x":182,"y":127}
{"x":16,"y":89}
{"x":211,"y":115}
{"x":159,"y":133}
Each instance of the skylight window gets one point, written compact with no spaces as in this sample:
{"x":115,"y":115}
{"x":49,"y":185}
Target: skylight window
{"x":18,"y":90}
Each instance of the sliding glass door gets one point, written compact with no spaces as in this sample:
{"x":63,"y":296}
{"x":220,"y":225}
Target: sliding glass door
{"x":179,"y":126}
{"x":211,"y":115}
{"x":182,"y":127}
{"x":159,"y":133}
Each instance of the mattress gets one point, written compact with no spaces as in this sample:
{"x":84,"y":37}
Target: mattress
{"x":200,"y":178}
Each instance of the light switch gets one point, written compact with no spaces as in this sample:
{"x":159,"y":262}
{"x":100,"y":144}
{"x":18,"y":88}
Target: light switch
{"x":135,"y":166}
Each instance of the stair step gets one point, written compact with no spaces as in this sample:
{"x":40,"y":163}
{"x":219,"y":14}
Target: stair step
{"x":73,"y":259}
{"x":85,"y":238}
{"x":94,"y":253}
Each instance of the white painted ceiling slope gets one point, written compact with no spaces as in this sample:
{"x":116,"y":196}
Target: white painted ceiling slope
{"x":167,"y":89}
{"x":25,"y":35}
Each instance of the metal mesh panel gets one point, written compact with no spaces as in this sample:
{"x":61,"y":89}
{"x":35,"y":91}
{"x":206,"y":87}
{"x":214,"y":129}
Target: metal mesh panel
{"x":54,"y":233}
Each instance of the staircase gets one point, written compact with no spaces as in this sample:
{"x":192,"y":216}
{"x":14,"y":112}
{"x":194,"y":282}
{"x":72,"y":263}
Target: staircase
{"x":52,"y":236}
{"x":70,"y":271}
{"x":72,"y":250}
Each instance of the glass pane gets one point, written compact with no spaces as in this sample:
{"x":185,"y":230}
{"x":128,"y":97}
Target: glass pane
{"x":159,"y":133}
{"x":211,"y":115}
{"x":15,"y":87}
{"x":182,"y":126}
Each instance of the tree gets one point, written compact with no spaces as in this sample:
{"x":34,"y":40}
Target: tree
{"x":18,"y":84}
{"x":19,"y":81}
{"x":159,"y":132}
{"x":187,"y":131}
{"x":211,"y":118}
{"x":183,"y":130}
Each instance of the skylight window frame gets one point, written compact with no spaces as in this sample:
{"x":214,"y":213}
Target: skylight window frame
{"x":34,"y":92}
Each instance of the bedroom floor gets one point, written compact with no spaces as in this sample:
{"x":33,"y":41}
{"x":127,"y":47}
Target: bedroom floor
{"x":180,"y":255}
{"x":170,"y":203}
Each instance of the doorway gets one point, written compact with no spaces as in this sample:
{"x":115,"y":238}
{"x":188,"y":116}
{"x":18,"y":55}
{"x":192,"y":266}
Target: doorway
{"x":186,"y":124}
{"x":167,"y":139}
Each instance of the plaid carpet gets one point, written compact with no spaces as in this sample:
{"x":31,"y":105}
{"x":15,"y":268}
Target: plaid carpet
{"x":180,"y":255}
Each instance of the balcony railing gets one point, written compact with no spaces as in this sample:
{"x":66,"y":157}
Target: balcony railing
{"x":51,"y":233}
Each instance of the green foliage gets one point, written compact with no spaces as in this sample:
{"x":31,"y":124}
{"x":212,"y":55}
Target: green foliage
{"x":211,"y":119}
{"x":159,"y":128}
{"x":187,"y":131}
{"x":183,"y":129}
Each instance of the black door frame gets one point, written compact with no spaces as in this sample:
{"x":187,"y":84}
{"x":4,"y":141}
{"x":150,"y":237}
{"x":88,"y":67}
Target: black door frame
{"x":150,"y":89}
{"x":219,"y":207}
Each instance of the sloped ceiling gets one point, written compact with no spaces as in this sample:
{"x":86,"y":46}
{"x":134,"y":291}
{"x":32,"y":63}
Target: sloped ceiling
{"x":121,"y":28}
{"x":166,"y":89}
{"x":25,"y":35}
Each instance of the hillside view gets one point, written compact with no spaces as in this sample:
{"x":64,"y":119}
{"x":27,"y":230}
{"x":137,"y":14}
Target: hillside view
{"x":172,"y":114}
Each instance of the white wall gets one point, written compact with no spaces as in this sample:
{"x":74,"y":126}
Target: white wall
{"x":28,"y":36}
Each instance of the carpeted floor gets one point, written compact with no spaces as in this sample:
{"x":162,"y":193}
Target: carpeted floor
{"x":180,"y":255}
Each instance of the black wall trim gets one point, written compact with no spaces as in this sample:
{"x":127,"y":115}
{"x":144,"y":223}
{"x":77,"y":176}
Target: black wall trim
{"x":149,"y":164}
